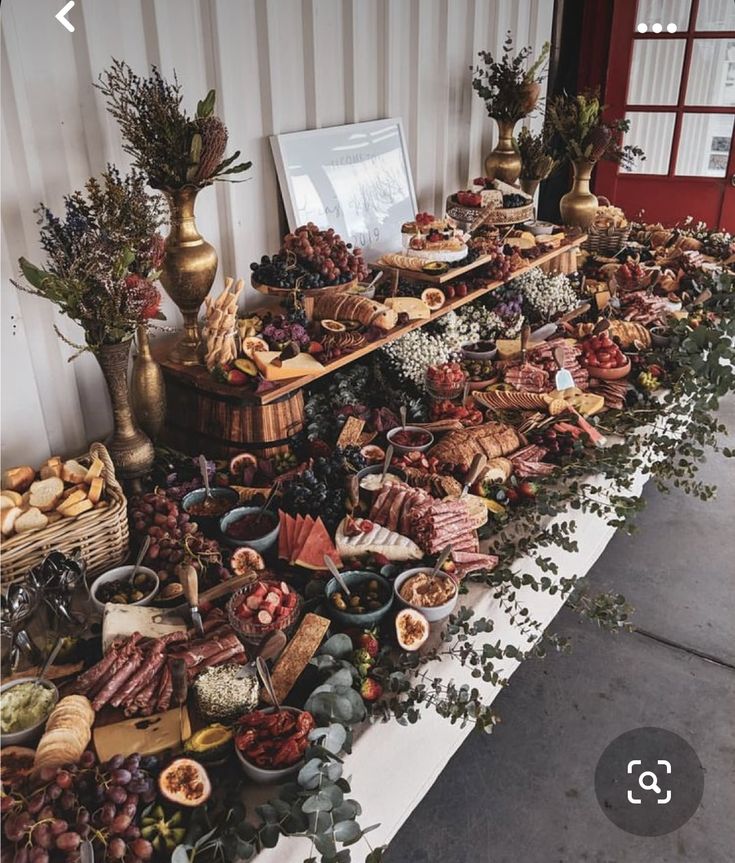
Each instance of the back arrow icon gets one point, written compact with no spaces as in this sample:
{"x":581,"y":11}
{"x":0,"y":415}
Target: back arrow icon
{"x":61,"y":16}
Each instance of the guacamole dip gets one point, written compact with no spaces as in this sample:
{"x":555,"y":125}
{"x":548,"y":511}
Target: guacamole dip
{"x":24,"y":705}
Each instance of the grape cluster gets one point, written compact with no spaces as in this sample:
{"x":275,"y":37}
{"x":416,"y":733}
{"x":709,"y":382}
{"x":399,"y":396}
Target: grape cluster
{"x":320,"y":490}
{"x":46,"y":819}
{"x":174,"y":537}
{"x":514,"y":200}
{"x":311,"y":258}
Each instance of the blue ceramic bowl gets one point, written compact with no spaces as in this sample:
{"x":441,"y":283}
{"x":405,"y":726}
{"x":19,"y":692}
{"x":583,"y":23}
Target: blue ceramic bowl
{"x":352,"y":579}
{"x":262,"y":543}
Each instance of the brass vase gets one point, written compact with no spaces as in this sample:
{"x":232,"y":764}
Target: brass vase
{"x":504,"y":162}
{"x":130,"y":450}
{"x":147,"y":388}
{"x":529,"y":185}
{"x":188,"y":269}
{"x":579,"y":206}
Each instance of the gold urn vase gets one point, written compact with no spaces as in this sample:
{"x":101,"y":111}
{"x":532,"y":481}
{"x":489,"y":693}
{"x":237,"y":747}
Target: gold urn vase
{"x":579,"y":206}
{"x":147,"y":388}
{"x":529,"y":185}
{"x":130,"y":449}
{"x":504,"y":162}
{"x":188,"y":269}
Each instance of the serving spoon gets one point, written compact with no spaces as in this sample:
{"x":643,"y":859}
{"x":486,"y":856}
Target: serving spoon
{"x":205,"y":477}
{"x":265,"y":676}
{"x":141,"y":554}
{"x":386,"y":462}
{"x":332,"y":567}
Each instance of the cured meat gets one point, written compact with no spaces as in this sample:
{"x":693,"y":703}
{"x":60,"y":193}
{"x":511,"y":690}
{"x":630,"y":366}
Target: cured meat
{"x":147,"y":672}
{"x":165,"y":690}
{"x":94,"y":674}
{"x":114,"y":683}
{"x":528,"y":378}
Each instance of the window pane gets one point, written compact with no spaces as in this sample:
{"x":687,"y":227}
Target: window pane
{"x":663,"y":12}
{"x":652,"y":132}
{"x":704,"y":147}
{"x":716,"y":15}
{"x":655,"y":72}
{"x":712,"y":73}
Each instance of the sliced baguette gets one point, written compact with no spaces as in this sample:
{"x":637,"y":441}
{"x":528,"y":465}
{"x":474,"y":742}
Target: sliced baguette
{"x":95,"y":469}
{"x":18,"y":478}
{"x":73,"y":489}
{"x":75,"y":497}
{"x":73,"y":472}
{"x":75,"y":509}
{"x":54,"y":516}
{"x":14,"y":496}
{"x":96,"y":487}
{"x":49,"y":470}
{"x":34,"y":519}
{"x":46,"y":493}
{"x":6,"y":502}
{"x":9,"y":517}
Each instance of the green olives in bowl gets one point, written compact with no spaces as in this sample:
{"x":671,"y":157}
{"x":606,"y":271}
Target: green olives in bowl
{"x":370,"y":599}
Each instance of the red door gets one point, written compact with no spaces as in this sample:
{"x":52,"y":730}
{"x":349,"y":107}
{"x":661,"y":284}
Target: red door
{"x":671,"y":72}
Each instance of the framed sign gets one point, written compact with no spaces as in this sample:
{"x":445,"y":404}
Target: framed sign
{"x":355,"y":179}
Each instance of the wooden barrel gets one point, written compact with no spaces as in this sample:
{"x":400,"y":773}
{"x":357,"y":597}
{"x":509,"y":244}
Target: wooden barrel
{"x":204,"y":416}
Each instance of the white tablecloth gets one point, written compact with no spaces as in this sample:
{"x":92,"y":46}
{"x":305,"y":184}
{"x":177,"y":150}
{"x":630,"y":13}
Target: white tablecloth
{"x":392,"y":766}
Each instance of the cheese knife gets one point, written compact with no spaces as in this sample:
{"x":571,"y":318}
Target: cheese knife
{"x":478,"y":465}
{"x":180,"y":689}
{"x":525,"y":333}
{"x":563,"y":379}
{"x":190,"y":582}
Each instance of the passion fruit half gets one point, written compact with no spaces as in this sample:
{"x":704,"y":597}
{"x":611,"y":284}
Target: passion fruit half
{"x":185,"y":783}
{"x":434,"y":298}
{"x":244,"y":560}
{"x":412,"y":629}
{"x":241,"y":461}
{"x":333,"y":326}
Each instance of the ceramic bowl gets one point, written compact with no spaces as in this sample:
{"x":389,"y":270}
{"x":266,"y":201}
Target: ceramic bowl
{"x":353,"y":578}
{"x":660,"y":337}
{"x":209,"y":523}
{"x":489,"y":354}
{"x":33,"y":732}
{"x":262,"y":775}
{"x":610,"y":374}
{"x":540,"y":229}
{"x":120,"y":572}
{"x":402,"y":448}
{"x":431,"y":613}
{"x":261,"y":544}
{"x":378,"y":469}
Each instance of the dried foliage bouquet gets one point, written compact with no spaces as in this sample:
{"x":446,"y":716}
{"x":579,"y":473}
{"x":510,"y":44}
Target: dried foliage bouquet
{"x":102,"y":257}
{"x":171,"y":148}
{"x":509,"y":90}
{"x":581,"y":133}
{"x":537,"y":161}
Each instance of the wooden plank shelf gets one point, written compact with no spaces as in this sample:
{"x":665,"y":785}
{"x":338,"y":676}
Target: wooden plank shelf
{"x":199,"y":378}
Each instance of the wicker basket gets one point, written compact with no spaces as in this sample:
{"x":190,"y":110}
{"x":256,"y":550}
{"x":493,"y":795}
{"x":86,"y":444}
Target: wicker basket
{"x":606,"y":242}
{"x":101,"y":533}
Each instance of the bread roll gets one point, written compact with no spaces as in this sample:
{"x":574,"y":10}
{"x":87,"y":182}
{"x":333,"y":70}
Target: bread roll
{"x":18,"y":478}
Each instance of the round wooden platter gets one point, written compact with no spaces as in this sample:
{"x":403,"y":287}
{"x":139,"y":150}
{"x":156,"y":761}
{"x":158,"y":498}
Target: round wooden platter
{"x":273,"y":291}
{"x":509,"y":216}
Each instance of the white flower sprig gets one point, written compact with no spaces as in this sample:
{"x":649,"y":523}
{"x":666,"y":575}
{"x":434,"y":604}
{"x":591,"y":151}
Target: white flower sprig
{"x":548,"y":295}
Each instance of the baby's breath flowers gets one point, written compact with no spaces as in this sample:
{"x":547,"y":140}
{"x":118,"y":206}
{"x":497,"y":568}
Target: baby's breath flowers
{"x":547,"y":295}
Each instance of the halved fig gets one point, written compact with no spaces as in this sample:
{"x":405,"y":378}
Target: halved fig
{"x":241,"y":461}
{"x":412,"y":629}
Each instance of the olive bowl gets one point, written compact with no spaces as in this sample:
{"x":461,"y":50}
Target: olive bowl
{"x":353,"y":578}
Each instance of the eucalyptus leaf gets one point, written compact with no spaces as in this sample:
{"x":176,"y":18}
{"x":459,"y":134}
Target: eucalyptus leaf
{"x":320,"y":802}
{"x":180,"y":854}
{"x":347,"y":832}
{"x":339,"y":646}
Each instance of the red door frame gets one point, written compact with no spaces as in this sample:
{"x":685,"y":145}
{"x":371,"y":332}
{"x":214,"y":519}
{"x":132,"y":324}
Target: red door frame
{"x":663,"y":197}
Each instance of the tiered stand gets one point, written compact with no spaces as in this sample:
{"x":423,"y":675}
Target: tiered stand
{"x":204,"y":415}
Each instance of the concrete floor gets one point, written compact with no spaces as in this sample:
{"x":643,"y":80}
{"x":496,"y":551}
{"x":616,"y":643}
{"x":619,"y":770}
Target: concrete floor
{"x":525,"y":794}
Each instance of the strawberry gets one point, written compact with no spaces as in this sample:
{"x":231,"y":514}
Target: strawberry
{"x":370,"y":690}
{"x":368,"y":642}
{"x":380,"y":559}
{"x":362,"y":661}
{"x":528,"y":489}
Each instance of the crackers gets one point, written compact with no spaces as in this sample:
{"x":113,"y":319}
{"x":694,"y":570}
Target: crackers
{"x":68,"y":732}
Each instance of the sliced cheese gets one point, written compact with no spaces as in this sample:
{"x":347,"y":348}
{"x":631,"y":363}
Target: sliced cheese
{"x":416,"y":309}
{"x":296,"y":367}
{"x":508,"y":348}
{"x":378,"y":540}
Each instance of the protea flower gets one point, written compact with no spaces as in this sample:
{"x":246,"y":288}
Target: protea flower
{"x":214,"y":143}
{"x":596,"y":143}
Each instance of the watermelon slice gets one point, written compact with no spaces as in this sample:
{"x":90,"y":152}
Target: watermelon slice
{"x":306,"y":526}
{"x":317,"y":544}
{"x":283,"y":519}
{"x":293,"y":533}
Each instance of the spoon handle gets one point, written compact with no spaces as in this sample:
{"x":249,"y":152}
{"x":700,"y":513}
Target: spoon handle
{"x":446,"y":551}
{"x":205,"y":474}
{"x":265,"y":676}
{"x":332,"y":567}
{"x":141,"y":554}
{"x":51,"y":657}
{"x":404,"y":413}
{"x":386,"y":461}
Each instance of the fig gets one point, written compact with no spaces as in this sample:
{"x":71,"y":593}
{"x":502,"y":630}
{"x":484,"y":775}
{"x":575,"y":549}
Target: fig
{"x":245,"y":560}
{"x":241,"y":461}
{"x":412,"y":629}
{"x":185,"y":783}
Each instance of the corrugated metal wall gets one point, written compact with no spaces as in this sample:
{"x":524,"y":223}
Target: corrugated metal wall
{"x":277,"y":66}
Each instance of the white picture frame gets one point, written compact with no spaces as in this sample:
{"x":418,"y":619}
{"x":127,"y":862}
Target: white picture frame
{"x":354,"y":178}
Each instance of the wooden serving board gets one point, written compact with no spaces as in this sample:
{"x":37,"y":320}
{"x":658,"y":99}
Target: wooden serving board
{"x":148,"y":735}
{"x":121,"y":621}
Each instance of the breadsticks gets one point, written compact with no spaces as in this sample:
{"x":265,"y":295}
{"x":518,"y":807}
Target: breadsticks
{"x":220,"y":327}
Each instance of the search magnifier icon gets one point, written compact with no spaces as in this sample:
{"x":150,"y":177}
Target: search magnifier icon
{"x":652,"y":785}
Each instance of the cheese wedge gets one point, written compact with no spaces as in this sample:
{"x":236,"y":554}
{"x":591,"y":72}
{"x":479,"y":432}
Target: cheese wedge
{"x":377,"y":540}
{"x":508,"y":348}
{"x":416,"y":309}
{"x":296,"y":367}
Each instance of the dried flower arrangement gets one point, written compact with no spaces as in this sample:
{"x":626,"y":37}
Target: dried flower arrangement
{"x":581,"y":133}
{"x":537,"y":162}
{"x":102,"y":258}
{"x":170,"y":147}
{"x":510,"y":92}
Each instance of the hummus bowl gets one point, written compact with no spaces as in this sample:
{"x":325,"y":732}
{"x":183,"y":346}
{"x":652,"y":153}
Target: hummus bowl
{"x":416,"y":586}
{"x":31,"y":732}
